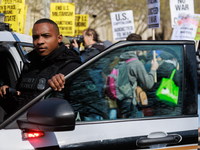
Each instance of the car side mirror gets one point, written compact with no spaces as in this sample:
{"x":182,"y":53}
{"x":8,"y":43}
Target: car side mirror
{"x":51,"y":114}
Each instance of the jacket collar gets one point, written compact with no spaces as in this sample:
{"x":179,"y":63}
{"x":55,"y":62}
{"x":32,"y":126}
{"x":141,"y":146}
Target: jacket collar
{"x":34,"y":57}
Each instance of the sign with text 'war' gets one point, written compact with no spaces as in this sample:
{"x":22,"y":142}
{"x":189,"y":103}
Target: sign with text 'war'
{"x":122,"y":24}
{"x":153,"y":10}
{"x":178,"y":7}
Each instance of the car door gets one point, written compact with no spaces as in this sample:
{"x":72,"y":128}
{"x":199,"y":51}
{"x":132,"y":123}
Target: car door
{"x":101,"y":120}
{"x":104,"y":123}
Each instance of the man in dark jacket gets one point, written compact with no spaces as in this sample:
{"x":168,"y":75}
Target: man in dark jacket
{"x":49,"y":62}
{"x":92,"y":44}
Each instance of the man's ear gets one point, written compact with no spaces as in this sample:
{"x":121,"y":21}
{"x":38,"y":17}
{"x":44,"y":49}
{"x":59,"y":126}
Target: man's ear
{"x":60,"y":37}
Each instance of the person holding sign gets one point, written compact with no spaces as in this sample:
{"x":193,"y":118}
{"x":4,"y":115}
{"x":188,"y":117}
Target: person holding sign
{"x":137,"y":76}
{"x":92,"y":44}
{"x":49,"y":62}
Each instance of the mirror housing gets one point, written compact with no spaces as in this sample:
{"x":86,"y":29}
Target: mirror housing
{"x":51,"y":114}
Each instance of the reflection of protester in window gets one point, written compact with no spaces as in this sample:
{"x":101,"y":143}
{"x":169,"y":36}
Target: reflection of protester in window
{"x":137,"y":75}
{"x":167,"y":63}
{"x":92,"y":44}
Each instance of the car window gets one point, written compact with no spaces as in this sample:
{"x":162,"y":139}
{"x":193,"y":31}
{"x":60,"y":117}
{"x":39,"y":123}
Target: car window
{"x":26,"y":49}
{"x":88,"y":91}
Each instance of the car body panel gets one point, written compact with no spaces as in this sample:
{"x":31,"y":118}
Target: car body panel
{"x":120,"y":133}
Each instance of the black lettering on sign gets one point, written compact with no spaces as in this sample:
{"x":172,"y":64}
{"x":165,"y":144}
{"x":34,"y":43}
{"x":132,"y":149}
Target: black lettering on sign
{"x":10,"y":7}
{"x":80,"y":24}
{"x":58,"y":7}
{"x":152,"y":1}
{"x":125,"y":34}
{"x":152,"y":19}
{"x":65,"y":13}
{"x":65,"y":28}
{"x":63,"y":22}
{"x":65,"y":7}
{"x":152,"y":11}
{"x":182,"y":7}
{"x":10,"y":18}
{"x":8,"y":1}
{"x":181,"y":1}
{"x":84,"y":18}
{"x":77,"y":18}
{"x":7,"y":12}
{"x":118,"y":34}
{"x":17,"y":1}
{"x":118,"y":17}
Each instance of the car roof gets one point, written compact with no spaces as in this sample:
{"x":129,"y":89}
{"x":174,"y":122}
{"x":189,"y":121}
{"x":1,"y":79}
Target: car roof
{"x":7,"y":36}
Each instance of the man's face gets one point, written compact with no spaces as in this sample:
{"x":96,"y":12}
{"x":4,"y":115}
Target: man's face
{"x":87,"y":39}
{"x":45,"y":38}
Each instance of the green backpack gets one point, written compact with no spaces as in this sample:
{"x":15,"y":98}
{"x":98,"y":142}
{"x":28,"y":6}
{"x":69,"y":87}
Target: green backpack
{"x":168,"y":91}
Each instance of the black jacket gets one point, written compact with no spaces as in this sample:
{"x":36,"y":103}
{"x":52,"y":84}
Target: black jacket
{"x":35,"y":75}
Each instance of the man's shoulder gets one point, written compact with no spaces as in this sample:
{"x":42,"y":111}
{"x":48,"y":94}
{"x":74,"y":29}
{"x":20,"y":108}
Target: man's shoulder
{"x":99,"y":46}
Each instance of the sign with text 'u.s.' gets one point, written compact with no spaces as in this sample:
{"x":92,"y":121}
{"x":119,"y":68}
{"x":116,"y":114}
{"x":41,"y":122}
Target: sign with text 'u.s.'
{"x":122,"y":24}
{"x":64,"y":15}
{"x":179,"y":7}
{"x":81,"y":23}
{"x":153,"y":10}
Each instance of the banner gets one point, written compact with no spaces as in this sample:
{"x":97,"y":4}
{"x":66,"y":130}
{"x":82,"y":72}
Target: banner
{"x":122,"y":24}
{"x":64,"y":15}
{"x":186,"y":27}
{"x":153,"y":10}
{"x":25,"y":12}
{"x":81,"y":23}
{"x":21,"y":9}
{"x":197,"y":37}
{"x":179,"y":7}
{"x":12,"y":1}
{"x":11,"y":15}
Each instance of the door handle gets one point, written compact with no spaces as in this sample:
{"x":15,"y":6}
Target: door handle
{"x":169,"y":139}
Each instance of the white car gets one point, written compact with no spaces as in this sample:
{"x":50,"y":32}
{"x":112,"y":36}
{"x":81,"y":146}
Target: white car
{"x":81,"y":116}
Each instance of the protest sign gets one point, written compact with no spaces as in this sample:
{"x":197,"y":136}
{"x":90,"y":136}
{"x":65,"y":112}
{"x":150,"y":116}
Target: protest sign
{"x":178,"y":7}
{"x":122,"y":24}
{"x":81,"y":23}
{"x":13,"y":1}
{"x":21,"y":9}
{"x":197,"y":37}
{"x":11,"y":15}
{"x":186,"y":27}
{"x":153,"y":10}
{"x":64,"y":15}
{"x":25,"y":12}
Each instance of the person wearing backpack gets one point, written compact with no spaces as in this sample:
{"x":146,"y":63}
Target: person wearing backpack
{"x":136,"y":74}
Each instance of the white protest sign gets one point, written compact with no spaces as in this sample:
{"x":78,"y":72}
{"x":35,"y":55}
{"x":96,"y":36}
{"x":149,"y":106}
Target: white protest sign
{"x":180,"y":6}
{"x":122,"y":24}
{"x":153,"y":10}
{"x":186,"y":27}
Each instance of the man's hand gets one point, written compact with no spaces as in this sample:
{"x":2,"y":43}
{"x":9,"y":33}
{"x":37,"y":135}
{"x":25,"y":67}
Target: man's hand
{"x":57,"y":82}
{"x":75,"y":44}
{"x":154,"y":65}
{"x":3,"y":91}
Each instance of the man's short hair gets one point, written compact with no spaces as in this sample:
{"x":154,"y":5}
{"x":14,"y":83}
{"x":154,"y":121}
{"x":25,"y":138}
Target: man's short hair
{"x":133,"y":37}
{"x":45,"y":20}
{"x":90,"y":31}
